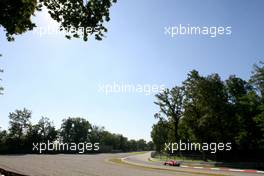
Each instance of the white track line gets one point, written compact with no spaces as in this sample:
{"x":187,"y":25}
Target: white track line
{"x":236,"y":170}
{"x":198,"y":167}
{"x":261,"y":172}
{"x":184,"y":166}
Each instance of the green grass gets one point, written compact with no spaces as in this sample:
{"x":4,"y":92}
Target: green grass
{"x":120,"y":162}
{"x":116,"y":160}
{"x":136,"y":153}
{"x":165,"y":158}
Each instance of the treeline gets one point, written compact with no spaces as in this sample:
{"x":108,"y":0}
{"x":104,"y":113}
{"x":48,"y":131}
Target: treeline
{"x":21,"y":135}
{"x":206,"y":109}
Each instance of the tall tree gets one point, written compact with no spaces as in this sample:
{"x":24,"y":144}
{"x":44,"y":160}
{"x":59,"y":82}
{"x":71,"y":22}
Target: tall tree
{"x":247,"y":110}
{"x":159,"y":134}
{"x":150,"y":145}
{"x":123,"y":143}
{"x":142,"y":145}
{"x":19,"y":123}
{"x":75,"y":130}
{"x":257,"y":78}
{"x":133,"y":145}
{"x":3,"y":136}
{"x":43,"y":131}
{"x":96,"y":134}
{"x":243,"y":102}
{"x":170,"y":103}
{"x":236,"y":88}
{"x":206,"y":107}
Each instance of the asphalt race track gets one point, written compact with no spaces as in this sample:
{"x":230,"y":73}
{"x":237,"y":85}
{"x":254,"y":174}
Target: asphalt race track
{"x":93,"y":165}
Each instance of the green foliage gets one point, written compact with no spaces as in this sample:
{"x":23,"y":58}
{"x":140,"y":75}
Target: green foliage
{"x":19,"y":123}
{"x":16,"y":139}
{"x":257,"y":78}
{"x":22,"y":134}
{"x":246,"y":111}
{"x":78,"y":13}
{"x":3,"y":136}
{"x":206,"y":107}
{"x":75,"y":130}
{"x":236,"y":88}
{"x":43,"y":131}
{"x":142,"y":145}
{"x":214,"y":111}
{"x":259,"y":119}
{"x":159,"y":134}
{"x":116,"y":142}
{"x":171,"y":105}
{"x":15,"y":16}
{"x":96,"y":133}
{"x":150,"y":146}
{"x":133,"y":145}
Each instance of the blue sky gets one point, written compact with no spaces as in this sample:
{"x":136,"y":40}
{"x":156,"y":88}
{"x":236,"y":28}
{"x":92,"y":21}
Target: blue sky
{"x":58,"y":78}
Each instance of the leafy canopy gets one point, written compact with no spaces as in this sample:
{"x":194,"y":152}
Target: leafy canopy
{"x":15,"y":16}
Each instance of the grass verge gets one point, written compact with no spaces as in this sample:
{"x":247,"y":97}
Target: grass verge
{"x":120,"y":162}
{"x":136,"y":153}
{"x":165,"y":158}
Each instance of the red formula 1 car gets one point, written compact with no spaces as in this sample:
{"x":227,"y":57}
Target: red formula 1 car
{"x":172,"y":163}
